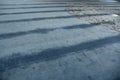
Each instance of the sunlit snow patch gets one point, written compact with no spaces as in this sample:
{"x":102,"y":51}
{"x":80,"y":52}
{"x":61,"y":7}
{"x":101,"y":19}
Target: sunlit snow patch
{"x":114,"y":15}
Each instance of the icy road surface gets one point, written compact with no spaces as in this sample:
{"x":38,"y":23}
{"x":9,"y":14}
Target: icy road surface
{"x":59,"y":40}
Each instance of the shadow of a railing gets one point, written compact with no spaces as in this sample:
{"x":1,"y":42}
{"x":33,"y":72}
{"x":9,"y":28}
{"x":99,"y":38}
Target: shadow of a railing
{"x":54,"y":53}
{"x":31,"y":12}
{"x":36,"y":19}
{"x":45,"y":31}
{"x":63,"y":6}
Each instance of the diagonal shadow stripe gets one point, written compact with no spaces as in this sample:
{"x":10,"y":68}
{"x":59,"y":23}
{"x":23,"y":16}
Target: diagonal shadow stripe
{"x":30,"y":4}
{"x":45,"y":31}
{"x":30,"y":12}
{"x":49,"y":11}
{"x":17,"y":34}
{"x":44,"y":18}
{"x":54,"y":53}
{"x":108,"y":3}
{"x":42,"y":31}
{"x":32,"y":7}
{"x":55,"y":7}
{"x":81,"y":4}
{"x":36,"y":19}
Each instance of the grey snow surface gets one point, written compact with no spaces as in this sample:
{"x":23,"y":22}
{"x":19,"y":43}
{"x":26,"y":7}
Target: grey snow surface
{"x":59,"y":40}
